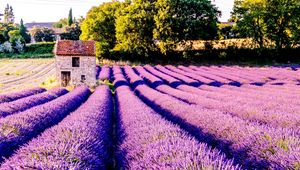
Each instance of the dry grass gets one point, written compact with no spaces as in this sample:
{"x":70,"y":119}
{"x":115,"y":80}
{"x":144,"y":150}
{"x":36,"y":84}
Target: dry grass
{"x":19,"y":74}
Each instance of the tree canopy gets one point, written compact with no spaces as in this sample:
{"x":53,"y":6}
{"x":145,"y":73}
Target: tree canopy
{"x":178,"y":21}
{"x":134,"y":28}
{"x":141,"y":27}
{"x":24,"y":33}
{"x":274,"y":21}
{"x":43,"y":34}
{"x":99,"y":26}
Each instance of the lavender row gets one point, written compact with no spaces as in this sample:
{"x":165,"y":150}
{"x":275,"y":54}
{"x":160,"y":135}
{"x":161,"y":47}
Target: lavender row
{"x":251,"y":144}
{"x":268,"y":98}
{"x":21,"y":94}
{"x":201,"y":79}
{"x":31,"y":101}
{"x":268,"y":101}
{"x":105,"y":73}
{"x":171,"y":81}
{"x":81,"y":141}
{"x":217,"y":81}
{"x":255,"y":79}
{"x":271,"y":116}
{"x":17,"y":129}
{"x":250,"y":96}
{"x":149,"y":139}
{"x":167,"y":79}
{"x":183,"y":78}
{"x":261,"y":75}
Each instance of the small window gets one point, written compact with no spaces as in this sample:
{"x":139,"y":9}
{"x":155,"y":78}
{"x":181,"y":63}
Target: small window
{"x":83,"y":78}
{"x":75,"y":62}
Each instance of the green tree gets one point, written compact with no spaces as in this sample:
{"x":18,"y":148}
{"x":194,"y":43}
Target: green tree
{"x":16,"y":40}
{"x":13,"y":35}
{"x":71,"y":33}
{"x":70,"y":18}
{"x":24,"y":32}
{"x":43,"y":34}
{"x":178,"y":21}
{"x":275,"y":21}
{"x":249,"y":16}
{"x":99,"y":26}
{"x":61,"y":23}
{"x":282,"y":21}
{"x":5,"y":29}
{"x":134,"y":28}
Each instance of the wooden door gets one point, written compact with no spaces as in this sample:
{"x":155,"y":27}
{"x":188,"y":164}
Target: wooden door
{"x":65,"y":78}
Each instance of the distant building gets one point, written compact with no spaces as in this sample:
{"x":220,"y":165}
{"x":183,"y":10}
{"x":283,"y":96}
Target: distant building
{"x":75,"y":62}
{"x":39,"y":24}
{"x":57,"y":31}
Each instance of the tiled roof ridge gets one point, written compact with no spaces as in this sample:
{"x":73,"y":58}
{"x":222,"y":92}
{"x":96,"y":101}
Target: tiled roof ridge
{"x":75,"y":48}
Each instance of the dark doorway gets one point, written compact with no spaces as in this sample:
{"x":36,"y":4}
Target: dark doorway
{"x":65,"y":78}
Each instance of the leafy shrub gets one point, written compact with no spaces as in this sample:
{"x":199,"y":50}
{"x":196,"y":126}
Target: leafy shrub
{"x":6,"y":47}
{"x":41,"y":48}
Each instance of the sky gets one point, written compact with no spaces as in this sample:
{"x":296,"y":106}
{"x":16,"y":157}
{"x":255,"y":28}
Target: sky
{"x":53,"y":10}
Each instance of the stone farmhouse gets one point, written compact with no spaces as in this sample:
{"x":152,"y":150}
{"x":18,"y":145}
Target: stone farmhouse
{"x":75,"y":63}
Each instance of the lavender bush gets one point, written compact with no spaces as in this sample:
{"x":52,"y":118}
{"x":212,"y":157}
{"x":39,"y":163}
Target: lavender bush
{"x":146,"y":141}
{"x":81,"y":141}
{"x":105,"y":73}
{"x":251,"y":144}
{"x":17,"y":129}
{"x":183,"y":78}
{"x":31,"y":101}
{"x":21,"y":94}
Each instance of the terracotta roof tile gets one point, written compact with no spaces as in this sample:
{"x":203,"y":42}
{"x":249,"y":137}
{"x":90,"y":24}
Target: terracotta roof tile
{"x":75,"y":48}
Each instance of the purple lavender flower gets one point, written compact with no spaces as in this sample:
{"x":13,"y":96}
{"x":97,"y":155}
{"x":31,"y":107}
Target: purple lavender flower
{"x":31,"y":101}
{"x":21,"y":94}
{"x":81,"y":141}
{"x":250,"y":143}
{"x":17,"y":129}
{"x":147,"y":141}
{"x":105,"y":73}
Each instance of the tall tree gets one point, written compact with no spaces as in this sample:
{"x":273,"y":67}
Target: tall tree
{"x":282,"y":21}
{"x":99,"y":26}
{"x":178,"y":21}
{"x":23,"y":32}
{"x":134,"y":28}
{"x":9,"y":17}
{"x":71,"y":33}
{"x":275,"y":21}
{"x":43,"y":34}
{"x":70,"y":18}
{"x":249,"y":16}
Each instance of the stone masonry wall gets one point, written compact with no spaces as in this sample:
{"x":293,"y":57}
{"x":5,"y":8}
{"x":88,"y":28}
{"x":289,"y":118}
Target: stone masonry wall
{"x":87,"y":68}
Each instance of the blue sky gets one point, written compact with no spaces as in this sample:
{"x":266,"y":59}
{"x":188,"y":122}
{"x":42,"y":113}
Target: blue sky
{"x":53,"y":10}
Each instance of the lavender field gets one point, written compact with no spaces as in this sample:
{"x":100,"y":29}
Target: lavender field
{"x":157,"y":117}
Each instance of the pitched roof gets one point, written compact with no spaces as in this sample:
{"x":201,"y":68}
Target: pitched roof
{"x":75,"y":48}
{"x":39,"y":24}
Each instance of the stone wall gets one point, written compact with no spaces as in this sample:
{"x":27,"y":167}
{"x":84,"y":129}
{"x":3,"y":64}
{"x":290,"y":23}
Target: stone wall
{"x":87,"y":67}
